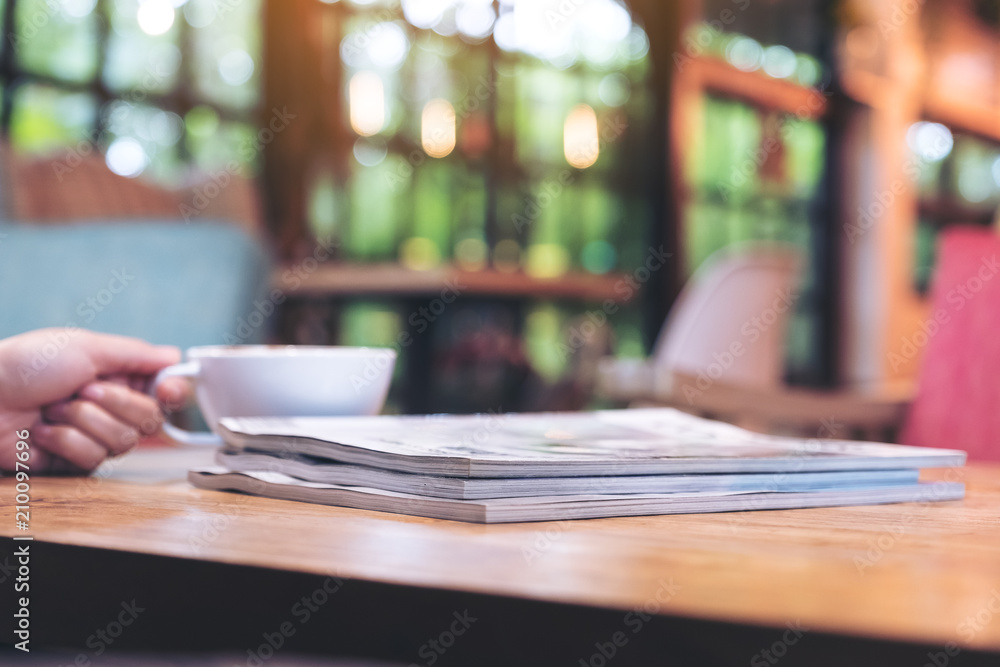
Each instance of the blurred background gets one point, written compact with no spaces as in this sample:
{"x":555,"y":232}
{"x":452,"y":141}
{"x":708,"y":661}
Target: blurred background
{"x":563,"y":168}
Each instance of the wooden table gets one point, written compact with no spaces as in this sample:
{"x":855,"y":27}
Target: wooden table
{"x":900,"y":580}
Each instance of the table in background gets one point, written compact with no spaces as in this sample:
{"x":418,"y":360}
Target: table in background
{"x":219,"y":571}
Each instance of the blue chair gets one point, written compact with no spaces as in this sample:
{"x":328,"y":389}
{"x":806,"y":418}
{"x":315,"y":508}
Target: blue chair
{"x":165,"y":282}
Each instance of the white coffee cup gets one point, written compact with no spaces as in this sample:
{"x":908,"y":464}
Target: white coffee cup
{"x":280,"y":381}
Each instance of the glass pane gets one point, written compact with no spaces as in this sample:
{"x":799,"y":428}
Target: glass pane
{"x":627,"y":325}
{"x":375,"y":324}
{"x":379,"y":200}
{"x":45,"y":119}
{"x":974,"y":175}
{"x":543,"y":99}
{"x":325,"y":207}
{"x":754,"y":176}
{"x":431,"y":239}
{"x":796,"y":24}
{"x":226,"y":57}
{"x":958,"y":182}
{"x":142,"y":49}
{"x":925,"y":250}
{"x":545,"y":337}
{"x":370,"y":324}
{"x":214,"y":144}
{"x":57,"y":39}
{"x":143,"y":139}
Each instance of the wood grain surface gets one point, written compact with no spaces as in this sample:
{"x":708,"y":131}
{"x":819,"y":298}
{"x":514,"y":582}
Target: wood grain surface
{"x":925,"y":573}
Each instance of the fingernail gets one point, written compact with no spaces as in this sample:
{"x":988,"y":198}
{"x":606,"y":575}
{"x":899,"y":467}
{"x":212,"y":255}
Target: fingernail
{"x":94,"y":392}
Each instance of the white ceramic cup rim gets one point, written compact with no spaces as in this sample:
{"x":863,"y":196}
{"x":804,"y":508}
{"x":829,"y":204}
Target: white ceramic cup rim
{"x":285,"y":351}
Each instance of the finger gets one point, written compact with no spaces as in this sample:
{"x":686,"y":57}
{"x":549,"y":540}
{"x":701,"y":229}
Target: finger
{"x":60,"y":466}
{"x":131,"y":407}
{"x":138,"y":383}
{"x":121,"y":354}
{"x":95,"y":422}
{"x":174,"y":393}
{"x":70,"y":444}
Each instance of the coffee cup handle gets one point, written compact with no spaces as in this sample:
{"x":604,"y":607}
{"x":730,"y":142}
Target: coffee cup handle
{"x":189,"y":369}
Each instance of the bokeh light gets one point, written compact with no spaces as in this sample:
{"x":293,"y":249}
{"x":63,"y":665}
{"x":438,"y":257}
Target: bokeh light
{"x":367,"y":100}
{"x":78,"y":8}
{"x":475,"y":18}
{"x":614,"y":89}
{"x":745,"y":53}
{"x":779,"y":62}
{"x":930,"y":141}
{"x":126,"y":157}
{"x":236,"y":67}
{"x":419,"y":254}
{"x":580,"y":140}
{"x":370,"y":151}
{"x":437,"y":128}
{"x":155,"y":17}
{"x":388,"y":46}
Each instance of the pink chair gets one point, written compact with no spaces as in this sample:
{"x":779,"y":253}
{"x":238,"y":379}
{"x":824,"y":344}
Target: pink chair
{"x":958,"y":396}
{"x":957,"y":402}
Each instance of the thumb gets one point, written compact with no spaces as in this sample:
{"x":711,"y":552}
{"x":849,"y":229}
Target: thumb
{"x":120,"y":354}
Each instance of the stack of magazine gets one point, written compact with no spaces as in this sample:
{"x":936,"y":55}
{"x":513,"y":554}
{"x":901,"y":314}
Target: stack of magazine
{"x":495,"y":468}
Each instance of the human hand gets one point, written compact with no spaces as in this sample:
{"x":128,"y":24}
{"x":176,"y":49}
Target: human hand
{"x":80,"y":395}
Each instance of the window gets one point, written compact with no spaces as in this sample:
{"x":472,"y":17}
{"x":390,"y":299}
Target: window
{"x":503,"y":137}
{"x":958,"y":182}
{"x":754,"y":148}
{"x":507,"y":135}
{"x":111,"y":73}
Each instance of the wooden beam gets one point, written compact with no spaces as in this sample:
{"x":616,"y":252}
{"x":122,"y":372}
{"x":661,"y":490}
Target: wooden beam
{"x":347,"y":280}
